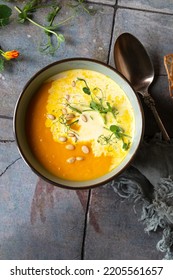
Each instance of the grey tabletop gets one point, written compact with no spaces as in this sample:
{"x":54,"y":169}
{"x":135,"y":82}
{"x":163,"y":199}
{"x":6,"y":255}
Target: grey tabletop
{"x":39,"y":220}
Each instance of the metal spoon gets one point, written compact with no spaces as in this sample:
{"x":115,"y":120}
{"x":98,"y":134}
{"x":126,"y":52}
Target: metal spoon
{"x":132,"y":60}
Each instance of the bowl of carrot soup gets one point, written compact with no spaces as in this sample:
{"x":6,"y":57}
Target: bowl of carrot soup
{"x":78,"y":123}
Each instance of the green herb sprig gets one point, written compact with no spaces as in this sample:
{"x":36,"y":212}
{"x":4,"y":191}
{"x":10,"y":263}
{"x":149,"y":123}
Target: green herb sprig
{"x":119,"y":134}
{"x":62,"y":119}
{"x":82,"y":4}
{"x":85,"y":89}
{"x":97,"y":103}
{"x":49,"y":29}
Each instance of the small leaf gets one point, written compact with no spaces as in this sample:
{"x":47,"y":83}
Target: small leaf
{"x":61,"y":38}
{"x":126,"y":146}
{"x":1,"y":65}
{"x":95,"y":106}
{"x":22,"y":17}
{"x":5,"y":13}
{"x":115,"y":129}
{"x":86,"y":90}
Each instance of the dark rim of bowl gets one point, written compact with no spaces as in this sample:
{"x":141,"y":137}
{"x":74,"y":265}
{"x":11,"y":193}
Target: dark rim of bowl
{"x":21,"y":150}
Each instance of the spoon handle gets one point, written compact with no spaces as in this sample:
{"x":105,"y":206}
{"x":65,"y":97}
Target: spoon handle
{"x":149,"y":101}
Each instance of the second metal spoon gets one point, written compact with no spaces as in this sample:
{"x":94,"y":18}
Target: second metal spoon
{"x":132,"y":60}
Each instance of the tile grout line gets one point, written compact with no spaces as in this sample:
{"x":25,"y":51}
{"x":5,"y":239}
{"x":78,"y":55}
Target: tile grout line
{"x":12,"y":163}
{"x":112,"y":31}
{"x":85,"y":225}
{"x":6,"y":117}
{"x":143,"y":10}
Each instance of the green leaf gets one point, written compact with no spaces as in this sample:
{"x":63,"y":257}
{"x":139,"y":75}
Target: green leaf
{"x":117,"y":130}
{"x":126,"y":146}
{"x":22,"y":17}
{"x":95,"y":106}
{"x":1,"y":65}
{"x":5,"y":13}
{"x":61,"y":38}
{"x":114,"y":128}
{"x":86,"y":90}
{"x":74,"y":109}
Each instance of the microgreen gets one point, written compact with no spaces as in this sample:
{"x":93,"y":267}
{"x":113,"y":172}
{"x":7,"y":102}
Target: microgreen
{"x":97,"y":103}
{"x":82,"y":4}
{"x":28,"y":10}
{"x":104,"y":140}
{"x":62,"y":119}
{"x":85,"y":89}
{"x":49,"y":45}
{"x":74,"y":109}
{"x":118,"y":131}
{"x":98,"y":106}
{"x":5,"y":13}
{"x":119,"y":134}
{"x":50,"y":29}
{"x":126,"y":146}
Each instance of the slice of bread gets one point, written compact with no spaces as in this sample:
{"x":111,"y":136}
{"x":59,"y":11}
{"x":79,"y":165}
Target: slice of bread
{"x":168,"y":62}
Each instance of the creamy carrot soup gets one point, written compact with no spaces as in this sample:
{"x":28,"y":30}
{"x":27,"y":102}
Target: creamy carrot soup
{"x":80,"y":125}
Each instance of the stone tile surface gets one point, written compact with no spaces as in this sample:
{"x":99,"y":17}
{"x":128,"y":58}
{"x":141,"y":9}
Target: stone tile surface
{"x":159,"y":5}
{"x":6,"y":128}
{"x":41,"y":221}
{"x":118,"y":234}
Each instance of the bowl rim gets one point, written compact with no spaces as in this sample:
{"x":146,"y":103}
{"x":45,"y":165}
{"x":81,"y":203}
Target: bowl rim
{"x":28,"y":163}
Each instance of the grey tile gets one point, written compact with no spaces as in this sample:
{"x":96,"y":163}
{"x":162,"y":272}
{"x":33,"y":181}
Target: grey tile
{"x":38,"y":220}
{"x":92,"y":42}
{"x":6,"y":130}
{"x":159,"y":5}
{"x":117,"y":233}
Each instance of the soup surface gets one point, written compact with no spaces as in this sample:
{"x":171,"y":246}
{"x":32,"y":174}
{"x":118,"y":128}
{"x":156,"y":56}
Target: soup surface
{"x":80,"y":125}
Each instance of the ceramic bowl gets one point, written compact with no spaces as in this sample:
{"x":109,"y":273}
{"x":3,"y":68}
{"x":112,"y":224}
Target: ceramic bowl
{"x":31,"y":88}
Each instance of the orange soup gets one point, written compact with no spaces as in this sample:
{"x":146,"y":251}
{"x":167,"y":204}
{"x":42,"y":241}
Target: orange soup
{"x":80,"y":125}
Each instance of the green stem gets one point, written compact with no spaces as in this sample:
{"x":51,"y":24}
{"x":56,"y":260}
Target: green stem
{"x":37,"y":24}
{"x":61,"y":23}
{"x":56,"y":10}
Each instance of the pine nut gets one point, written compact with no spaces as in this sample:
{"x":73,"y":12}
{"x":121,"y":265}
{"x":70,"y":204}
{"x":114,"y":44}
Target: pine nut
{"x":74,"y":138}
{"x":51,"y":117}
{"x":73,"y":84}
{"x":71,"y":160}
{"x":84,"y":118}
{"x":70,"y":116}
{"x":70,"y":134}
{"x":79,"y":158}
{"x":62,"y":139}
{"x":64,"y":111}
{"x":85,"y":149}
{"x":67,"y":97}
{"x":70,"y":147}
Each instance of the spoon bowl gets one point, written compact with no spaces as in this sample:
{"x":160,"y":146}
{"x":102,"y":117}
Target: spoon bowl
{"x":132,"y":60}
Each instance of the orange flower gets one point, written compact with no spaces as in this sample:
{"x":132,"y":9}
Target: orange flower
{"x":10,"y":54}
